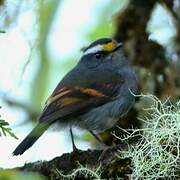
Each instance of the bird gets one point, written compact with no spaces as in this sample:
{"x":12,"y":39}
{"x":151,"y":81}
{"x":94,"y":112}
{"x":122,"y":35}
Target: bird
{"x":92,"y":96}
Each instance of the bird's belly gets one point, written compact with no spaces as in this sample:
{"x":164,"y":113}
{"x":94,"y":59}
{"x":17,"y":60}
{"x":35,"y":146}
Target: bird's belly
{"x":104,"y":117}
{"x":98,"y":124}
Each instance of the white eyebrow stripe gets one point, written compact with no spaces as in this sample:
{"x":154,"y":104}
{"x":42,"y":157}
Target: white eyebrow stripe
{"x":94,"y":49}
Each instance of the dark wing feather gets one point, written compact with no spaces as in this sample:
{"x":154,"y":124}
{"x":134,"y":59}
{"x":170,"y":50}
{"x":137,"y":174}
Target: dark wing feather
{"x":66,"y":102}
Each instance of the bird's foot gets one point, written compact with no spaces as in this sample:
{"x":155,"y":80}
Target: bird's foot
{"x":104,"y":151}
{"x":108,"y":151}
{"x":75,"y":149}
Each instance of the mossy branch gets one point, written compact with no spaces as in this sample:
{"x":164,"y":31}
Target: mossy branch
{"x":83,"y":164}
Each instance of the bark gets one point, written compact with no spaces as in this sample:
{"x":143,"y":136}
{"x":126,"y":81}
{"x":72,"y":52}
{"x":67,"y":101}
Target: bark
{"x":104,"y":164}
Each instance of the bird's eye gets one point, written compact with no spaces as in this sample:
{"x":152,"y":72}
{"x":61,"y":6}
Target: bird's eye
{"x":98,"y":55}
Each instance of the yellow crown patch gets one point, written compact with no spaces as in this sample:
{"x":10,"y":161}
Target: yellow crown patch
{"x":110,"y":46}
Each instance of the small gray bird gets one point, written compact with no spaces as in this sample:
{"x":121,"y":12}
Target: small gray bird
{"x":93,"y":95}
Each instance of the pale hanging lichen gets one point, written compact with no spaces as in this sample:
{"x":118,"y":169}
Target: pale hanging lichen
{"x":84,"y":172}
{"x":157,"y":154}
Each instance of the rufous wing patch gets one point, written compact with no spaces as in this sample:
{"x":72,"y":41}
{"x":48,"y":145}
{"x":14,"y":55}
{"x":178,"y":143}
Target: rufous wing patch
{"x":57,"y":96}
{"x":91,"y":92}
{"x":69,"y":101}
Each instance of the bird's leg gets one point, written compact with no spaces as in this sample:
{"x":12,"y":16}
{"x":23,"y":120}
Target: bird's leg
{"x":72,"y":139}
{"x":106,"y":148}
{"x":98,"y":139}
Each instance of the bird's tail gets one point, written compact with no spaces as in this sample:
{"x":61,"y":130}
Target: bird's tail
{"x":31,"y":138}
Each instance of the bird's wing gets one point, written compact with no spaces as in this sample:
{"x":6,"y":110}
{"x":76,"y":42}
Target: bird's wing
{"x":65,"y":102}
{"x":72,"y":101}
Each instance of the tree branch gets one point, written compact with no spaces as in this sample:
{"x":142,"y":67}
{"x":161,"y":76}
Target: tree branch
{"x":104,"y":164}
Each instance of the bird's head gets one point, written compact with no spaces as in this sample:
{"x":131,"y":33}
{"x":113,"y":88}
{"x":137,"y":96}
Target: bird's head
{"x":103,"y":52}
